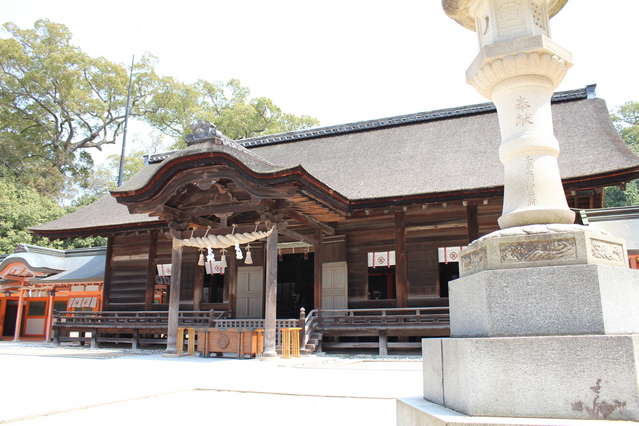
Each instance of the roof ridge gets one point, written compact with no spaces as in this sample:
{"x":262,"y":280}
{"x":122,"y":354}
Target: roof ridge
{"x":587,"y":92}
{"x":419,"y":117}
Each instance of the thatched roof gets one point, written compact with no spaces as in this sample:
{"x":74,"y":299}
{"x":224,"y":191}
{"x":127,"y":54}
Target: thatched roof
{"x":101,"y":215}
{"x":438,"y":155}
{"x":444,"y":151}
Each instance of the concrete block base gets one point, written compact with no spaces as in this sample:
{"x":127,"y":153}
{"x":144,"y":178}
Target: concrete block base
{"x":419,"y":412}
{"x":546,"y":301}
{"x":567,"y":377}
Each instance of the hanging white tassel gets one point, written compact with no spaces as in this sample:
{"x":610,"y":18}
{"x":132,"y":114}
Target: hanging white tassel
{"x":249,"y":258}
{"x":211,"y":255}
{"x":223,"y":259}
{"x":200,"y":261}
{"x":238,"y":252}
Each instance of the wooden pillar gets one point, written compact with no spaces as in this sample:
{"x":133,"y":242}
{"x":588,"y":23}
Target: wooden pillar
{"x":270,"y":321}
{"x":47,"y":332}
{"x":383,"y":343}
{"x":597,"y":202}
{"x":174,"y":299}
{"x":231,"y":279}
{"x":108,"y":272}
{"x":317,"y":271}
{"x":473,"y":222}
{"x":401,"y":267}
{"x":198,"y":285}
{"x":151,"y":272}
{"x":16,"y":334}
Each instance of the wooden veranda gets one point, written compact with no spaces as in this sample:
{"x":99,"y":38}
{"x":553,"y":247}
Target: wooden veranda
{"x":320,"y":330}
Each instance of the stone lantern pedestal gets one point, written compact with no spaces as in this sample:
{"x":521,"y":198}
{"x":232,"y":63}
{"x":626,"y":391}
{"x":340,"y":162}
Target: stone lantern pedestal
{"x":544,"y":319}
{"x":544,"y":331}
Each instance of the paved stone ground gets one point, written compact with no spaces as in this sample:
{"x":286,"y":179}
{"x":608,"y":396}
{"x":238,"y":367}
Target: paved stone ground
{"x":49,"y":385}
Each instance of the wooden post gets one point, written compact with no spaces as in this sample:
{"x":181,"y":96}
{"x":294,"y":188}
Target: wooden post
{"x":151,"y":271}
{"x":16,"y":334}
{"x":47,"y":333}
{"x":302,"y":325}
{"x":383,"y":343}
{"x":473,"y":222}
{"x":106,"y":286}
{"x":174,"y":299}
{"x":94,"y":338}
{"x":270,"y":321}
{"x":198,"y":285}
{"x":401,"y":275}
{"x":317,"y":272}
{"x":230,"y":279}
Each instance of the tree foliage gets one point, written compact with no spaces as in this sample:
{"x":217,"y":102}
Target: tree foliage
{"x":227,"y":105}
{"x":626,"y":119}
{"x":57,"y":103}
{"x":22,"y":207}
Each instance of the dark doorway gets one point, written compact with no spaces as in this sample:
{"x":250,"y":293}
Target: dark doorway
{"x":447,"y":272}
{"x":10,"y":317}
{"x":213,"y":291}
{"x":294,"y":284}
{"x":381,"y":283}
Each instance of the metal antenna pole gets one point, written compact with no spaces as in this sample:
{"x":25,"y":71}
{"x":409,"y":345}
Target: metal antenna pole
{"x":126,"y":122}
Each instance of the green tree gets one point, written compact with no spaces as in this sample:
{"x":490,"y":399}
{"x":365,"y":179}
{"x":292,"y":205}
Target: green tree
{"x":56,"y":102}
{"x":228,"y":106}
{"x":22,"y":207}
{"x":626,"y":119}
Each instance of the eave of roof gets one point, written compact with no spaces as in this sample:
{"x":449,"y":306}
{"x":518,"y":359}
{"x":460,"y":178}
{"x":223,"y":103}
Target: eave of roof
{"x":59,"y":265}
{"x":102,"y":217}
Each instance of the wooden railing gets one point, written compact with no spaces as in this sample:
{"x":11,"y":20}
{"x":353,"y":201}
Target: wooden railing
{"x":309,"y":324}
{"x":387,"y":317}
{"x":257,"y":323}
{"x":392,"y":321}
{"x":134,"y":318}
{"x":389,"y":321}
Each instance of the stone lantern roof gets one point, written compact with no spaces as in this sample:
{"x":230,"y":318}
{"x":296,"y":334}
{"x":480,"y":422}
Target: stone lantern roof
{"x":463,"y":11}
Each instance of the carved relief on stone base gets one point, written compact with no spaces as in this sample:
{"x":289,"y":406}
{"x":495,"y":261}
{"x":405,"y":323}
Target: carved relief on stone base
{"x":542,"y":245}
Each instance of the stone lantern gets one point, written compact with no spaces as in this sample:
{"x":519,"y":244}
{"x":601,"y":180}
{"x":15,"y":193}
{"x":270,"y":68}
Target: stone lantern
{"x":543,"y":321}
{"x":518,"y":68}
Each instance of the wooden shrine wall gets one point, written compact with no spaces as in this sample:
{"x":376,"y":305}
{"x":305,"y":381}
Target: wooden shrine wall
{"x":126,"y":287}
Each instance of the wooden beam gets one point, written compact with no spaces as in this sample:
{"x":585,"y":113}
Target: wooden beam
{"x":401,"y":266}
{"x":197,"y":221}
{"x":308,"y":220}
{"x":237,"y":207}
{"x":297,"y":236}
{"x":436,"y":226}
